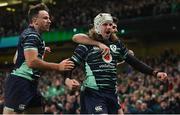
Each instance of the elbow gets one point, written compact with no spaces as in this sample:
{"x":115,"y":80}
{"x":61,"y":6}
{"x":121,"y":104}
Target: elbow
{"x":78,"y":37}
{"x":75,"y":37}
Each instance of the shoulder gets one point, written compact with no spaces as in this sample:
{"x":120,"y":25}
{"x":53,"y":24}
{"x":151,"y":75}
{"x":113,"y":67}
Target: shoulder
{"x":120,"y":42}
{"x":30,"y":32}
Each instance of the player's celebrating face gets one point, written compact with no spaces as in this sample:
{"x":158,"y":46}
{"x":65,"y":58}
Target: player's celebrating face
{"x":103,"y":24}
{"x":106,"y":29}
{"x":42,"y":20}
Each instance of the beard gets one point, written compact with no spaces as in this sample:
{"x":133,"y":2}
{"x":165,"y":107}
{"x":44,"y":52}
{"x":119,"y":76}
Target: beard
{"x":106,"y":35}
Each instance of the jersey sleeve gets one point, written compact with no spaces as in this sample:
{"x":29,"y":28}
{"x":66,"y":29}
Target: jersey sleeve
{"x":30,"y":42}
{"x":123,"y":51}
{"x":79,"y":54}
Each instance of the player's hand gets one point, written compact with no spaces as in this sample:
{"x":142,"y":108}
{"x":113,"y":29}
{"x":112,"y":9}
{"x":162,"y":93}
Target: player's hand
{"x":105,"y":49}
{"x":66,"y":65}
{"x":72,"y":84}
{"x":47,"y":49}
{"x":162,"y":76}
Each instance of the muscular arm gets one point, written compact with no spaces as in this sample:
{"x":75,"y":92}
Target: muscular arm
{"x":84,"y":39}
{"x":32,"y":60}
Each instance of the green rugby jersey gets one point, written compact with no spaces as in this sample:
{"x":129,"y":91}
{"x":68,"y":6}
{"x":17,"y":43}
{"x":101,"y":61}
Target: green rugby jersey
{"x":29,"y":39}
{"x":100,"y":70}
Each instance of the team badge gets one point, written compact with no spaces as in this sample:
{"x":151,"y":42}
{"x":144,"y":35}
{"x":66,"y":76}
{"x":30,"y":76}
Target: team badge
{"x":113,"y":48}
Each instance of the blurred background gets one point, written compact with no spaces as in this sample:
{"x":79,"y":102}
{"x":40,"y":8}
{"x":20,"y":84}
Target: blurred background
{"x":151,"y":28}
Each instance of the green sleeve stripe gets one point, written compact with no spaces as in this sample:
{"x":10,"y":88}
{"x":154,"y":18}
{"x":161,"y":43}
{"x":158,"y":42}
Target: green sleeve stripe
{"x":76,"y":59}
{"x":27,"y":48}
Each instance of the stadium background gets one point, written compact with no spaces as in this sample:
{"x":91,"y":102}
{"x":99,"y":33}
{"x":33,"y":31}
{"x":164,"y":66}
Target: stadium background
{"x":151,"y":28}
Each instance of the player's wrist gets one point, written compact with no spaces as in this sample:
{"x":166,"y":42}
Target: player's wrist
{"x":57,"y":67}
{"x":155,"y":73}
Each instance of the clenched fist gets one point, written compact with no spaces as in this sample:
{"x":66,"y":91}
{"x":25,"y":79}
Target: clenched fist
{"x":72,"y":84}
{"x":162,"y":76}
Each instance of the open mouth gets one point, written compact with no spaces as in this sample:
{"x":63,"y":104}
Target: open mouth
{"x":108,"y":32}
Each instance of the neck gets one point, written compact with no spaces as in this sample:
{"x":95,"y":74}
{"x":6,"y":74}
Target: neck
{"x":103,"y":40}
{"x":35,"y":27}
{"x":105,"y":37}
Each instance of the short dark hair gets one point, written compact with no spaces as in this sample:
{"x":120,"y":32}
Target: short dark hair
{"x":115,"y":20}
{"x":34,"y":10}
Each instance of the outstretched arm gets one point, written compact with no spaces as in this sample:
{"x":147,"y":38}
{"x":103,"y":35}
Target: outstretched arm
{"x":129,"y":52}
{"x":84,"y":39}
{"x":32,"y":60}
{"x":142,"y":67}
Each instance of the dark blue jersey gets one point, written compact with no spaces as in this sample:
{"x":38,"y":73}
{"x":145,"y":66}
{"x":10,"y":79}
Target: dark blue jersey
{"x":101,"y":72}
{"x":30,"y":39}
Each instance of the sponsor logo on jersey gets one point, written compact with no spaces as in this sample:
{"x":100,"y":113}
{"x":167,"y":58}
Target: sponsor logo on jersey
{"x":107,"y":58}
{"x":107,"y":66}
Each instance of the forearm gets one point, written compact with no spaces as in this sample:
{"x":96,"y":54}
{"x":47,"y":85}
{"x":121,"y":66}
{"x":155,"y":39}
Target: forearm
{"x":84,"y":39}
{"x":137,"y":64}
{"x":40,"y":64}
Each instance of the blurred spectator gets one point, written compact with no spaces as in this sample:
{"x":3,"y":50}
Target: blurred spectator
{"x":138,"y":93}
{"x":70,"y":14}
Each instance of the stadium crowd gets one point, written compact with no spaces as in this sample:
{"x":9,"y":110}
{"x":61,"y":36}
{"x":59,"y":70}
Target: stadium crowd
{"x":70,"y":14}
{"x":139,"y":93}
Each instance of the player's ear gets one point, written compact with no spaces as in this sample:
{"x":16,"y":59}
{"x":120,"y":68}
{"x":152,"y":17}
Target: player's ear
{"x":34,"y":20}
